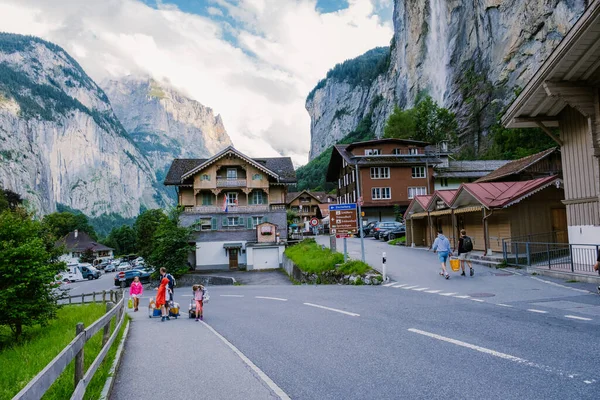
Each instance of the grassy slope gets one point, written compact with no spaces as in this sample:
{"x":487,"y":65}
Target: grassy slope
{"x":311,"y":258}
{"x":22,"y":361}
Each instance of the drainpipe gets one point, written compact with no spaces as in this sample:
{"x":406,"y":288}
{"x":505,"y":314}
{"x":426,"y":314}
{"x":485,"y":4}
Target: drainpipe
{"x":454,"y":226}
{"x":430,"y":229}
{"x":488,"y":251}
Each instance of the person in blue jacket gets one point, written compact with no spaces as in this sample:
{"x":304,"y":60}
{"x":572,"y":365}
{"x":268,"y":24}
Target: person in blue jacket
{"x":441,"y":245}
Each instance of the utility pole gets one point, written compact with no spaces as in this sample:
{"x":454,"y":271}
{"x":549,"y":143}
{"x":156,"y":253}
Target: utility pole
{"x":360,"y":224}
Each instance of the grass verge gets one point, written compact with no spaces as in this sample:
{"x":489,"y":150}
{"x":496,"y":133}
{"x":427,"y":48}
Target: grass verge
{"x":312,"y":258}
{"x":400,"y":240}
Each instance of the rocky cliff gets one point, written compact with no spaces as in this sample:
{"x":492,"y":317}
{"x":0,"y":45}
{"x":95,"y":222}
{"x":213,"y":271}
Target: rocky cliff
{"x":164,"y":123}
{"x":469,"y":56}
{"x":60,"y":141}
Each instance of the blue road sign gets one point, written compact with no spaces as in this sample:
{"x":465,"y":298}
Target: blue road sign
{"x":339,"y":207}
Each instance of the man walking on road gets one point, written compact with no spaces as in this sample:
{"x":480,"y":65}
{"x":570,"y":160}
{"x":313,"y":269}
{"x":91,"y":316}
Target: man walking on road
{"x":442,"y":246}
{"x":465,"y":246}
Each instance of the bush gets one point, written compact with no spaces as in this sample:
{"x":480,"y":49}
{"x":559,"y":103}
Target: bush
{"x":309,"y":257}
{"x":354,"y":267}
{"x":397,"y":241}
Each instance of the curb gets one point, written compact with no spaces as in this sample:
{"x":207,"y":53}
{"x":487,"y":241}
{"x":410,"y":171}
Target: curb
{"x":108,"y":386}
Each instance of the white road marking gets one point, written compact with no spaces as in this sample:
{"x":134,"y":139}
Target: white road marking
{"x":272,"y":385}
{"x":432,"y":291}
{"x":186,"y":295}
{"x":447,"y":294}
{"x":497,"y":354}
{"x":589,"y":381}
{"x":410,"y":287}
{"x":270,"y":298}
{"x":333,"y":309}
{"x":463,"y":297}
{"x":504,"y":305}
{"x":389,"y":284}
{"x":561,"y":286}
{"x":420,"y":289}
{"x":578,"y":318}
{"x":478,"y":300}
{"x":537,"y":311}
{"x":399,"y":286}
{"x":231,"y":295}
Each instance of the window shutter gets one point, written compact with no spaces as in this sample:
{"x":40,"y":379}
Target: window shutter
{"x":264,"y":219}
{"x":224,"y":221}
{"x":249,"y":223}
{"x":213,"y":223}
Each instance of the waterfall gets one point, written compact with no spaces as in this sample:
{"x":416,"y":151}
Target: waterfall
{"x":438,"y":52}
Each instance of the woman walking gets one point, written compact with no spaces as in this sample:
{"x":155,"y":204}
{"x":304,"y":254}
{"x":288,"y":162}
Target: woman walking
{"x":161,"y":298}
{"x":135,"y":291}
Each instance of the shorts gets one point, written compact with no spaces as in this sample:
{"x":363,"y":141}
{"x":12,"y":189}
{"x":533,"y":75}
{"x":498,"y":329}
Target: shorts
{"x":134,"y":296}
{"x":464,"y":256}
{"x":443,"y":256}
{"x":198,"y":304}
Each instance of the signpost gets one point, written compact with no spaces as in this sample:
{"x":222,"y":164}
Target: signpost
{"x":314,"y":222}
{"x":343,"y":222}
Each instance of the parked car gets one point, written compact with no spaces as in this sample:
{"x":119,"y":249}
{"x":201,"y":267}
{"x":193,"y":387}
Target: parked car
{"x":102,"y":265}
{"x":124,"y":266}
{"x":89,"y":272}
{"x":383,"y":226}
{"x":393,"y":233}
{"x":112,"y":267}
{"x":124,"y":278}
{"x":367,"y":229}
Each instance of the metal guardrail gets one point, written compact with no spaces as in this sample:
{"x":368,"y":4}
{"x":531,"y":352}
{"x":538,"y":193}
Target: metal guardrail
{"x":40,"y":384}
{"x":576,"y":258}
{"x":545,"y":237}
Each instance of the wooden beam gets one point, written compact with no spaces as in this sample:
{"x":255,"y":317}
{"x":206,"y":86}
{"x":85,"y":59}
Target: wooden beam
{"x":582,"y":60}
{"x":578,"y":94}
{"x":549,"y":133}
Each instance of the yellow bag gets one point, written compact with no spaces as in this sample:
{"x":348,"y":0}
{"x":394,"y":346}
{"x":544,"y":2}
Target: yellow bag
{"x":455,"y":264}
{"x":130,"y":303}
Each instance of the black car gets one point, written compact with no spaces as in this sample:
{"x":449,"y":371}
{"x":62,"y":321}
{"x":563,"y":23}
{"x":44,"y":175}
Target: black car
{"x":124,"y":278}
{"x":384,"y":226}
{"x":394,"y":233}
{"x":367,"y":229}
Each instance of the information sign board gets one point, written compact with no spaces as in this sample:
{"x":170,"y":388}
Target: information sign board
{"x":342,"y":218}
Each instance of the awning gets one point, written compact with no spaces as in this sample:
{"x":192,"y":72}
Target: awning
{"x":440,"y":212}
{"x":468,"y":209}
{"x":233,"y":245}
{"x":418,"y":215}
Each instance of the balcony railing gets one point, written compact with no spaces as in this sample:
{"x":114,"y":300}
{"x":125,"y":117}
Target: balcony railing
{"x":230,"y":209}
{"x":225,"y":182}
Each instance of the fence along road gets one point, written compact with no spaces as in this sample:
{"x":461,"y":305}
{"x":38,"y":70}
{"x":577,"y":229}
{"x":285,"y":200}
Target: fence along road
{"x":38,"y":386}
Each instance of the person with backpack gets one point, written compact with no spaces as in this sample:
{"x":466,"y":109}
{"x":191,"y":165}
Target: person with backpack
{"x":441,"y":245}
{"x":465,"y":246}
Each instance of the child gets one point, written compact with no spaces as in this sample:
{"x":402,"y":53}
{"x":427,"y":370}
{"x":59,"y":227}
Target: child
{"x":198,"y":297}
{"x":135,"y":291}
{"x":161,"y":298}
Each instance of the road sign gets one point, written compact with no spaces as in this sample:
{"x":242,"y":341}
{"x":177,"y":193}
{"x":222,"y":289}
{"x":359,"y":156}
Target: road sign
{"x":343,"y":236}
{"x":314,"y":222}
{"x":342,"y":218}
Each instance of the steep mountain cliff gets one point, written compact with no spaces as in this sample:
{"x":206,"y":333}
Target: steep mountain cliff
{"x":164,"y":123}
{"x":469,"y":56}
{"x":60,"y":142}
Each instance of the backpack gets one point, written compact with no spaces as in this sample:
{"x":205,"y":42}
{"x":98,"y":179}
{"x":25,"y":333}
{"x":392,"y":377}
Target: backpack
{"x":172,"y":282}
{"x":467,"y":244}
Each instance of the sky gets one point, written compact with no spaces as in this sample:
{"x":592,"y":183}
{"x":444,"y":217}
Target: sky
{"x":252,"y":61}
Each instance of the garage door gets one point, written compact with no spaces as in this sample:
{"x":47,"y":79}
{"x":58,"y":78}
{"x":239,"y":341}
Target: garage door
{"x":266,"y":258}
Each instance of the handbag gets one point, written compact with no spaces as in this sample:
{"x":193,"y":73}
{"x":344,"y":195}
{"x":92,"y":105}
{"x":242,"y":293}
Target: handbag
{"x":206,"y":297}
{"x":130,"y":303}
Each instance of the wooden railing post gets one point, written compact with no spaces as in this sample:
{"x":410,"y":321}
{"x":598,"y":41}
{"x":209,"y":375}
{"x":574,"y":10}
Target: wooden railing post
{"x":106,"y":333}
{"x":94,"y":297}
{"x":79,"y":365}
{"x":104,"y":296}
{"x":82,"y":298}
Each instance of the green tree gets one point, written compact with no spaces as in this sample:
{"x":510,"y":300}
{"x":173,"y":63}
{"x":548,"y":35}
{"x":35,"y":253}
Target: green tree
{"x":9,"y":200}
{"x":145,"y":227}
{"x":61,"y":223}
{"x":402,"y":124}
{"x":291,"y":216}
{"x":122,"y":240}
{"x":28,"y":266}
{"x":511,"y":144}
{"x":171,"y":246}
{"x":87,"y":256}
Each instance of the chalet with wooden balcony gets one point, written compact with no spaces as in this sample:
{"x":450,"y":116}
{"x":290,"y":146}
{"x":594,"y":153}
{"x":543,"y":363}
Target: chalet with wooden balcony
{"x":305,"y":204}
{"x":225,"y":198}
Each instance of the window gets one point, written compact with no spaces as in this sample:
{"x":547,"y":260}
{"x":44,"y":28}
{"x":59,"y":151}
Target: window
{"x":381,"y":193}
{"x":257,"y":197}
{"x":206,"y":199}
{"x":205,"y":177}
{"x":413,"y":151}
{"x":233,"y":221}
{"x":380,"y":172}
{"x":416,"y":191}
{"x":232,"y":199}
{"x":397,"y":151}
{"x":418,"y":172}
{"x":256,"y":221}
{"x":444,"y":182}
{"x":231,"y":173}
{"x":257,"y":177}
{"x":372,"y":152}
{"x":205,"y":224}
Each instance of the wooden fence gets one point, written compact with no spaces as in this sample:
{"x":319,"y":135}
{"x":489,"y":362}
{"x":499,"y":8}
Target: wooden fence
{"x":93,"y":297}
{"x":36,"y":388}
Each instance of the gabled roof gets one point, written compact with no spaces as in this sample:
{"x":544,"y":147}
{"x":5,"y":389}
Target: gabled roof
{"x":319,"y":196}
{"x":468,"y":169}
{"x":418,"y":204}
{"x":504,"y":194}
{"x":517,"y":166}
{"x":182,"y":170}
{"x":573,"y":65}
{"x":376,"y":142}
{"x":444,"y":195}
{"x":82,"y":242}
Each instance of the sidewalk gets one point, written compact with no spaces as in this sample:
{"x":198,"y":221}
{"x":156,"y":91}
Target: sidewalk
{"x":182,"y":359}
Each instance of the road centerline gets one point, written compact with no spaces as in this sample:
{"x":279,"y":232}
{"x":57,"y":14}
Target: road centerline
{"x":231,"y":295}
{"x":333,"y":309}
{"x":537,"y":311}
{"x":578,"y":318}
{"x":270,"y":298}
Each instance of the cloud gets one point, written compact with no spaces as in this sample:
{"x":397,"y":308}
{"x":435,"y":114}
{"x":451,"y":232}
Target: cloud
{"x":252,"y":61}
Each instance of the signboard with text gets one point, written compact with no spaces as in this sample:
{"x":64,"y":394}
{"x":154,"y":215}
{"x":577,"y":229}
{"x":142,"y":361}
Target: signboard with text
{"x":343,"y":219}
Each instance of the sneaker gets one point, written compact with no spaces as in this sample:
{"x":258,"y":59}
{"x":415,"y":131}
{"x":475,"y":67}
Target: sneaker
{"x":162,"y":319}
{"x":201,"y":319}
{"x":168,"y":319}
{"x":447,"y":276}
{"x":196,"y":319}
{"x":463,"y":273}
{"x":471,"y":272}
{"x":441,"y":273}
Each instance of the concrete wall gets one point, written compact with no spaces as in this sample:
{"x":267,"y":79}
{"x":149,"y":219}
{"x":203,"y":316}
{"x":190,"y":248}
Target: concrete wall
{"x":211,"y":255}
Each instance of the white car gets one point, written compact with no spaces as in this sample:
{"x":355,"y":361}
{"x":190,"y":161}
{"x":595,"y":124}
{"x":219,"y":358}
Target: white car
{"x":124,"y":267}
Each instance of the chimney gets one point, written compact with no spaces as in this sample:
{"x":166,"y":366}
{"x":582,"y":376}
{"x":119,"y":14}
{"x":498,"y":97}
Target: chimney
{"x":76,"y":232}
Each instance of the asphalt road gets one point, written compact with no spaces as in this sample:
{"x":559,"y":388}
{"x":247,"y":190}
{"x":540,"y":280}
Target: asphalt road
{"x":491,"y":336}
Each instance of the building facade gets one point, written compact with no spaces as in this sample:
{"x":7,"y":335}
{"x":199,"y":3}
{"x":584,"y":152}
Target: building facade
{"x":451,"y":175}
{"x":305,"y":204}
{"x":390,"y":172}
{"x":77,"y":242}
{"x":563,"y":100}
{"x":225,"y":198}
